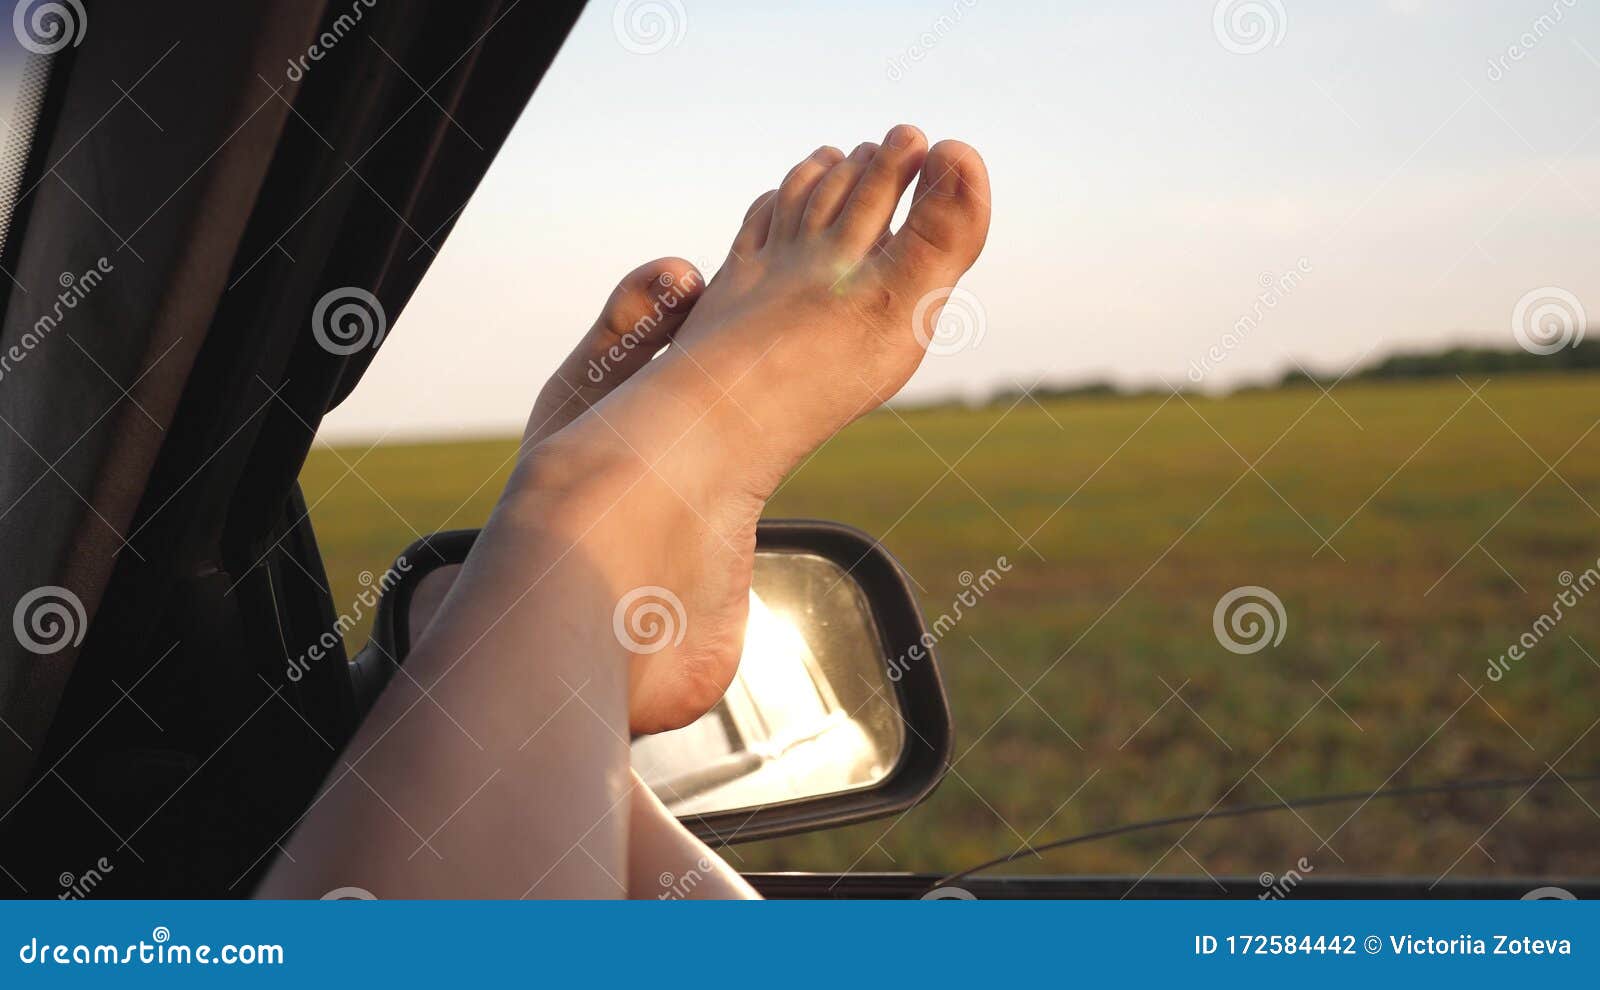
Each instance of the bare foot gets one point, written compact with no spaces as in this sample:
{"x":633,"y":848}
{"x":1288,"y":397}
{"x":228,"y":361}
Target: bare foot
{"x":809,"y":324}
{"x":644,"y":311}
{"x":639,"y":318}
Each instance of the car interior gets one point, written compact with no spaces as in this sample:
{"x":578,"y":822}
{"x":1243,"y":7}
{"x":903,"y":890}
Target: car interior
{"x":186,"y":177}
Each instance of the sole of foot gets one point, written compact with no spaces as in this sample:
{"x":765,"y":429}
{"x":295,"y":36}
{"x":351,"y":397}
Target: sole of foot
{"x":820,"y":314}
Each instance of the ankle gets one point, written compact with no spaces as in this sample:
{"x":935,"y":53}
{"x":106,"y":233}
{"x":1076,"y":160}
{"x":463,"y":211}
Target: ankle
{"x":565,"y":488}
{"x":605,"y":503}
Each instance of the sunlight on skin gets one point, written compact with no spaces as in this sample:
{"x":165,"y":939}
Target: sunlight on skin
{"x":656,"y":488}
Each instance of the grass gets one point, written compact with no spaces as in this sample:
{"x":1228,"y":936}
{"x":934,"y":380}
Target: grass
{"x":1449,"y":519}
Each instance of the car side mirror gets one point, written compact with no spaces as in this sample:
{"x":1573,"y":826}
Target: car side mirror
{"x":836,"y":715}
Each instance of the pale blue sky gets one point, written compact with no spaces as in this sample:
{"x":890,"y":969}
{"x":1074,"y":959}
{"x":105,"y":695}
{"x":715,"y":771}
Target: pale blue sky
{"x":1145,"y":178}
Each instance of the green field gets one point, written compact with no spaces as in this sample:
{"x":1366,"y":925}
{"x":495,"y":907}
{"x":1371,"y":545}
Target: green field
{"x":1451,"y":519}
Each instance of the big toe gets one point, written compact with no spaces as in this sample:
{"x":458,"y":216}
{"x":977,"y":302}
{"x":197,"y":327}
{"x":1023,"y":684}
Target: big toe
{"x":949,"y":219}
{"x":640,"y":317}
{"x":649,"y":295}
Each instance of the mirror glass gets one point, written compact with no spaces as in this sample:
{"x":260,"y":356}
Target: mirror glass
{"x":811,"y":711}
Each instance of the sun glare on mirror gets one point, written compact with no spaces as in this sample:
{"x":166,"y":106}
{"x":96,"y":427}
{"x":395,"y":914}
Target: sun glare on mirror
{"x":780,"y":733}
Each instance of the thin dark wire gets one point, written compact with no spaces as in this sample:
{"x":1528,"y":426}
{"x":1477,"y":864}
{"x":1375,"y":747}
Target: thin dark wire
{"x":1242,"y":810}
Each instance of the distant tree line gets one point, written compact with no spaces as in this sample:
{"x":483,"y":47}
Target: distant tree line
{"x":1463,"y":361}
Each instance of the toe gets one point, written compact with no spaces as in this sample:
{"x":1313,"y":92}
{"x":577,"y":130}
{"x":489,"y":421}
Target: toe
{"x":639,"y":319}
{"x":871,"y":203}
{"x":757,"y":221}
{"x":828,"y":198}
{"x":796,"y":189}
{"x":949,"y":217}
{"x":647,"y":306}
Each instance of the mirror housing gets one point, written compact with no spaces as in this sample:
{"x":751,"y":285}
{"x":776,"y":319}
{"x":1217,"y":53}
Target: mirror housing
{"x":909,"y":682}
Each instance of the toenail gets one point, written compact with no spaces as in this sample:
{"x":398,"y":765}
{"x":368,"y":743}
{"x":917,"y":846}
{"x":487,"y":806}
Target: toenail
{"x":946,"y":182}
{"x":899,"y":137}
{"x":864,"y":151}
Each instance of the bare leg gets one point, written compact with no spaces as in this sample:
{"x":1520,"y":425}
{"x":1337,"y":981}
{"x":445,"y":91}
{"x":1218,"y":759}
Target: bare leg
{"x":668,"y":863}
{"x":818,"y":316}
